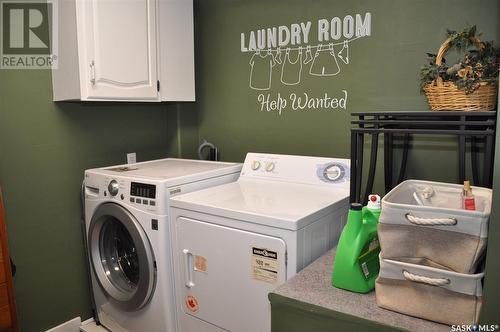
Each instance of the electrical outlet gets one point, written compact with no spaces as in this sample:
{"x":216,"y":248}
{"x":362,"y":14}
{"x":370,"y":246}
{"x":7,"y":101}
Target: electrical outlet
{"x":131,"y":158}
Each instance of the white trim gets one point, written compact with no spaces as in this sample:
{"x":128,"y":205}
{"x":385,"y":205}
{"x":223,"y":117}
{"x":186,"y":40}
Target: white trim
{"x":90,"y":326}
{"x":72,"y":325}
{"x":88,"y":321}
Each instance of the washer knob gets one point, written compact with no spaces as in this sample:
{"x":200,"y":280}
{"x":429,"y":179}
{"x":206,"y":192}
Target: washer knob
{"x":113,"y":187}
{"x":255,"y":165}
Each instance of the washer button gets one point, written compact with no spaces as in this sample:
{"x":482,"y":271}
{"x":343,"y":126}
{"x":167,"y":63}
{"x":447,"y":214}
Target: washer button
{"x":132,"y":199}
{"x":145,"y":201}
{"x":152,"y":203}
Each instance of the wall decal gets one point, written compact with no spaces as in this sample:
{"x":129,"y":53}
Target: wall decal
{"x":291,"y":70}
{"x":261,"y":70}
{"x":301,"y":102}
{"x":323,"y":62}
{"x":283,"y":55}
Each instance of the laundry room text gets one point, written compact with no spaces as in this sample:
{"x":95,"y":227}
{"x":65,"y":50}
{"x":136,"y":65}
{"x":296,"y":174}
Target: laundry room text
{"x":328,"y":30}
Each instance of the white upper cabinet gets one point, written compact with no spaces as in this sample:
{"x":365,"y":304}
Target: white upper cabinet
{"x":125,"y":50}
{"x":118,"y":43}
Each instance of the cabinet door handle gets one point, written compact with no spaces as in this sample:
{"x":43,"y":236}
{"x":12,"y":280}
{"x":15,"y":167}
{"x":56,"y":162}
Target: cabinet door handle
{"x":92,"y":72}
{"x":188,"y":263}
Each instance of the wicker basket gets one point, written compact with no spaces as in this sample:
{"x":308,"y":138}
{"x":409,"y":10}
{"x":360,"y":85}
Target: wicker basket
{"x":446,"y":96}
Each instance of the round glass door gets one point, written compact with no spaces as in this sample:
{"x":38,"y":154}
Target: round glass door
{"x":119,"y":255}
{"x":122,"y":257}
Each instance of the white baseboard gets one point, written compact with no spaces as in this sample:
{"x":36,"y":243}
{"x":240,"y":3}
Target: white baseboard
{"x":88,"y":321}
{"x":72,"y":325}
{"x":90,"y":326}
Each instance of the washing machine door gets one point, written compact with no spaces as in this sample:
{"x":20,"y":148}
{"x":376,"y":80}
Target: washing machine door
{"x":122,"y":257}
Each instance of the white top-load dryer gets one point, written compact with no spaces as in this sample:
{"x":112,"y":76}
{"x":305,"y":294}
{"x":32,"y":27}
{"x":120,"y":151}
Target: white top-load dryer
{"x":128,"y":237}
{"x":235,"y":243}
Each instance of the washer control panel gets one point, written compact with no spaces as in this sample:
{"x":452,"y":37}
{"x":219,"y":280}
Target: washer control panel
{"x":113,"y":187}
{"x":298,"y":169}
{"x":142,"y":195}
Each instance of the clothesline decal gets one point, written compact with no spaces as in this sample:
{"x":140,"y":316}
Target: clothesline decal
{"x":280,"y":56}
{"x":279,"y":48}
{"x":324,"y":63}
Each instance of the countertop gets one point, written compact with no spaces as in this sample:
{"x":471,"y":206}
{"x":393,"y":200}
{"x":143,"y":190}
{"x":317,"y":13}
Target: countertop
{"x":312,"y":285}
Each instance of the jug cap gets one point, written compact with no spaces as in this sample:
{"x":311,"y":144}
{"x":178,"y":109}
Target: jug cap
{"x":356,"y":206}
{"x":374,"y":202}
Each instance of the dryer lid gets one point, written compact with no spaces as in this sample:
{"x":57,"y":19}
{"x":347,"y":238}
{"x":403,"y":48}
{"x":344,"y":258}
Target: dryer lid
{"x":271,"y":203}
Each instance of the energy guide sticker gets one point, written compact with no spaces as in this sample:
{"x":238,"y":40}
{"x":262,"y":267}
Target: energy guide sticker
{"x":265,"y":265}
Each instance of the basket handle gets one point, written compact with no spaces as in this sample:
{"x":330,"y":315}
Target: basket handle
{"x":430,"y":221}
{"x":425,"y":280}
{"x":444,"y":48}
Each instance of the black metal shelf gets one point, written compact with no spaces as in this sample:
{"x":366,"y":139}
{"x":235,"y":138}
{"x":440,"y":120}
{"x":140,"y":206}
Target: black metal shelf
{"x":473,"y":125}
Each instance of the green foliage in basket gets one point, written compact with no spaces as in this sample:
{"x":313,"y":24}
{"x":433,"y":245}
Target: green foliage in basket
{"x":478,"y":65}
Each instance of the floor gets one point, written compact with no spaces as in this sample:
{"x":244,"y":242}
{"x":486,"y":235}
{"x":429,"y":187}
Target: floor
{"x":92,"y":327}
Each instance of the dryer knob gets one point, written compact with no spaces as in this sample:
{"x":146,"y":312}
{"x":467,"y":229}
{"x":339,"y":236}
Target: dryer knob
{"x":113,"y":188}
{"x":255,"y":165}
{"x":270,"y":166}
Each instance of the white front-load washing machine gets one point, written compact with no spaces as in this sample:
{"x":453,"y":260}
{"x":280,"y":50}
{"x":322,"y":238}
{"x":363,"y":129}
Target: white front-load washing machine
{"x":127,"y":235}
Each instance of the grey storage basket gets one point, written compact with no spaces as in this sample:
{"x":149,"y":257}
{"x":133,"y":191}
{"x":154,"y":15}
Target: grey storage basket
{"x":438,"y":295}
{"x":423,"y":222}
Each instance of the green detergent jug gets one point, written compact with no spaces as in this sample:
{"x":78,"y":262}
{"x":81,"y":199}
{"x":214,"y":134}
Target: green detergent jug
{"x":356,"y":263}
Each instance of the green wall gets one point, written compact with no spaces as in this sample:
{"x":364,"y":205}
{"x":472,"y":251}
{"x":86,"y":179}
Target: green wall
{"x":489,"y":313}
{"x":44,"y":149}
{"x":45,"y":146}
{"x":382,"y":76}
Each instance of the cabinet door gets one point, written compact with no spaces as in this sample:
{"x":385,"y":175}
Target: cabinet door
{"x":117,"y":49}
{"x":226,"y":274}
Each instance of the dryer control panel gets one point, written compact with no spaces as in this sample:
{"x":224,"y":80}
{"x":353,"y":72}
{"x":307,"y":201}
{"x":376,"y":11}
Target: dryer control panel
{"x":298,"y":169}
